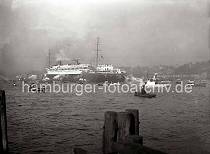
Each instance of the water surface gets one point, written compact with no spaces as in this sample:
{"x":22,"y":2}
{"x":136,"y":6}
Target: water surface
{"x":54,"y":123}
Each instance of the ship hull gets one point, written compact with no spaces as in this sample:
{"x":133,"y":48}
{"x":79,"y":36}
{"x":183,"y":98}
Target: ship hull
{"x":89,"y":77}
{"x":103,"y":77}
{"x":64,"y":77}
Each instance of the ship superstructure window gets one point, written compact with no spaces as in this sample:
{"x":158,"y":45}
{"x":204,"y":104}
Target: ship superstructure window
{"x":105,"y":68}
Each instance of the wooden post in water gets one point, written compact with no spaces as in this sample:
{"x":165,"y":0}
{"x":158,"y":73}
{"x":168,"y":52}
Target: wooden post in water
{"x":120,"y":128}
{"x":126,"y":125}
{"x":110,"y":131}
{"x":135,"y":114}
{"x":3,"y":123}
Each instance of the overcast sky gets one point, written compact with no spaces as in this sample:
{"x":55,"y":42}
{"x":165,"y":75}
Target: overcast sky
{"x":137,"y":32}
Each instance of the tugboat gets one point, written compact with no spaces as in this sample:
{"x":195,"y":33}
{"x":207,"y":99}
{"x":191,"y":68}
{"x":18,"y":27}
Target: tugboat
{"x":156,"y":82}
{"x":144,"y":94}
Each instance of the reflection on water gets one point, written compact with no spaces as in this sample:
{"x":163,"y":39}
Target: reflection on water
{"x":54,"y":123}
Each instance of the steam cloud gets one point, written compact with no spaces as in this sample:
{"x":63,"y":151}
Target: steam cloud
{"x":132,"y":33}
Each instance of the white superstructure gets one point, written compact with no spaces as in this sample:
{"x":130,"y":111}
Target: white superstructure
{"x":68,"y":69}
{"x":104,"y":68}
{"x":108,"y":68}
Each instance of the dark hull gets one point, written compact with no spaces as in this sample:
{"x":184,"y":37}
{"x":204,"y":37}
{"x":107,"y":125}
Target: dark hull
{"x":102,"y":77}
{"x":144,"y":95}
{"x":66,"y":78}
{"x":92,"y":77}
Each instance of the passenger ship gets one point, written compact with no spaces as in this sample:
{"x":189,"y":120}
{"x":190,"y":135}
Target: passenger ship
{"x":74,"y":72}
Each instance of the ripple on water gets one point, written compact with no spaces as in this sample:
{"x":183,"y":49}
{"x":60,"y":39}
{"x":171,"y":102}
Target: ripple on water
{"x":54,"y":123}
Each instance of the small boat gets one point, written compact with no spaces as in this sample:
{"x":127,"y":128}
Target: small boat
{"x":144,"y":95}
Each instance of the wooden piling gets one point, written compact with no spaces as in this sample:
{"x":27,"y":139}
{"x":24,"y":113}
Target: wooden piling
{"x":110,"y":131}
{"x":126,"y":125}
{"x":121,"y":127}
{"x":3,"y":123}
{"x":135,"y":114}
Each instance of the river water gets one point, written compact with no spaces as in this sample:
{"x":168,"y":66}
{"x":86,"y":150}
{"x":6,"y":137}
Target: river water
{"x":54,"y":123}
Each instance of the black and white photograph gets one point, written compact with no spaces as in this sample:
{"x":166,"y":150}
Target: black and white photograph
{"x":105,"y":76}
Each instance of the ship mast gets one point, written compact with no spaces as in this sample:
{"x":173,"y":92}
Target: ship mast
{"x":49,"y":57}
{"x":97,"y":50}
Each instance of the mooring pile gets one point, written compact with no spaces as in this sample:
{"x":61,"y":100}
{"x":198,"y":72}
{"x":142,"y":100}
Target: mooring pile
{"x":121,"y":134}
{"x":3,"y":123}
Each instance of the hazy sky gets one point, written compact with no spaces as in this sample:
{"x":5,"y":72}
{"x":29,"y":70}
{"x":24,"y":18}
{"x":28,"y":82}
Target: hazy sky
{"x":132,"y":32}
